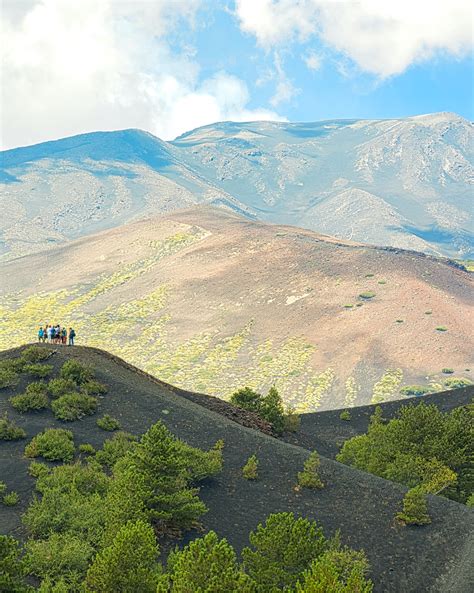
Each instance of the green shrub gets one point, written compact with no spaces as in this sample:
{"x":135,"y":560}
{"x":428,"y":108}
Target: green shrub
{"x":441,"y":328}
{"x":26,"y":402}
{"x":428,"y":312}
{"x":94,"y":388}
{"x":206,"y":564}
{"x":382,"y":282}
{"x":415,"y":509}
{"x":348,"y":306}
{"x":60,"y":556}
{"x":416,"y":390}
{"x":3,"y":487}
{"x":250,"y":469}
{"x":54,"y":444}
{"x":9,"y":431}
{"x":74,"y":370}
{"x":369,"y":275}
{"x":38,"y":370}
{"x":398,"y":320}
{"x":337,"y":570}
{"x":73,"y":406}
{"x":248,"y":399}
{"x":281,"y":551}
{"x":456,"y":382}
{"x":35,"y":354}
{"x":447,"y":371}
{"x":368,"y":294}
{"x":11,"y":499}
{"x":37,"y":469}
{"x":37,"y":387}
{"x":270,"y":407}
{"x":292,"y":420}
{"x":8,"y":378}
{"x":115,"y":448}
{"x":309,"y":477}
{"x":345,"y":415}
{"x":470,"y":501}
{"x":12,"y":568}
{"x":61,"y":386}
{"x":129,"y":564}
{"x":87,"y":449}
{"x":108,"y":423}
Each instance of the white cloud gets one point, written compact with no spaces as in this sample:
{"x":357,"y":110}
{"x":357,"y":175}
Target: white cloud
{"x":285,"y":90}
{"x":313,"y":61}
{"x":383,"y":37}
{"x":72,"y":66}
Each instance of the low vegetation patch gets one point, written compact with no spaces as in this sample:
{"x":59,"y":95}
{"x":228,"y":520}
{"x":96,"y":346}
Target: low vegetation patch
{"x":441,"y":328}
{"x":9,"y":431}
{"x":420,"y":447}
{"x":76,"y":372}
{"x":38,"y":370}
{"x":35,"y":354}
{"x":61,"y":386}
{"x":345,"y":415}
{"x":73,"y":406}
{"x":250,"y":469}
{"x":269,"y":407}
{"x":11,"y":499}
{"x":415,"y":508}
{"x":309,"y":477}
{"x":87,"y":449}
{"x":368,"y":294}
{"x":108,"y":423}
{"x":93,"y":387}
{"x":8,"y":377}
{"x":456,"y":382}
{"x":54,"y":444}
{"x":447,"y":371}
{"x":27,"y":402}
{"x":416,"y":390}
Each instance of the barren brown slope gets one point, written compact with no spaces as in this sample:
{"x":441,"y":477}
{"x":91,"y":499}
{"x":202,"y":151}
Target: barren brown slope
{"x":211,"y":302}
{"x":432,"y":559}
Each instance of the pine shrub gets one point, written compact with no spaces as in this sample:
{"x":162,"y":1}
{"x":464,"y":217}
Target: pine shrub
{"x":309,"y":477}
{"x":11,"y":499}
{"x":415,"y":508}
{"x":367,"y":295}
{"x":26,"y":402}
{"x":61,"y":386}
{"x":87,"y":449}
{"x":37,"y":469}
{"x":38,"y":370}
{"x":12,"y":567}
{"x":115,"y":448}
{"x":73,"y":406}
{"x":8,"y":378}
{"x":75,"y":371}
{"x":9,"y":431}
{"x":345,"y":415}
{"x":93,"y":387}
{"x":35,"y":354}
{"x":54,"y":444}
{"x":456,"y":382}
{"x":108,"y":423}
{"x":250,"y":469}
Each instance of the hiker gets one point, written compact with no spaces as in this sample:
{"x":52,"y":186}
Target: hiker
{"x":41,"y":334}
{"x":63,"y":335}
{"x":49,"y":334}
{"x":72,"y":335}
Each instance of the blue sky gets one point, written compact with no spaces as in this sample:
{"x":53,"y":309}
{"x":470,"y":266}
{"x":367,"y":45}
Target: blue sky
{"x":168,"y":66}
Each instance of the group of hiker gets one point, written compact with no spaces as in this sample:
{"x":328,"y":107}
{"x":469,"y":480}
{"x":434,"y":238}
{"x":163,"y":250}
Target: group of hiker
{"x":55,"y":334}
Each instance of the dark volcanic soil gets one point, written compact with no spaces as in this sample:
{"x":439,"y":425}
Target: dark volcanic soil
{"x":408,"y":560}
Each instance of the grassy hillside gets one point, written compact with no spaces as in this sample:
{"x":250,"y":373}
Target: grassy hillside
{"x":211,"y":302}
{"x":362,"y":506}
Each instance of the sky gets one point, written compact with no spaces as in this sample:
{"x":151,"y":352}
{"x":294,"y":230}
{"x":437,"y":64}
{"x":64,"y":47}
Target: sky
{"x":168,"y":66}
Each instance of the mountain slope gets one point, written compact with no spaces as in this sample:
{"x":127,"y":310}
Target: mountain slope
{"x":210,"y":301}
{"x":405,"y":183}
{"x":362,"y":506}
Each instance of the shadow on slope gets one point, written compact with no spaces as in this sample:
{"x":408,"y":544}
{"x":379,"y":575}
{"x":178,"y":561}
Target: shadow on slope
{"x":362,"y":506}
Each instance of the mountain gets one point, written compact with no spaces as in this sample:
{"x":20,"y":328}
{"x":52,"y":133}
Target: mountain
{"x":211,"y":301}
{"x":403,"y":182}
{"x":360,"y":505}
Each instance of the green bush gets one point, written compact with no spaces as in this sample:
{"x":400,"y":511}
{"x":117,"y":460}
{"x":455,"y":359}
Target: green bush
{"x":345,"y":415}
{"x":415,"y":509}
{"x":292,"y":420}
{"x":416,"y":390}
{"x":73,"y":406}
{"x":54,"y":444}
{"x":337,"y":570}
{"x":11,"y":499}
{"x":441,"y":328}
{"x":309,"y":477}
{"x":61,"y":386}
{"x":35,"y":354}
{"x":250,"y":469}
{"x":87,"y":449}
{"x":447,"y":371}
{"x":12,"y":568}
{"x":38,"y":387}
{"x":470,"y":501}
{"x":37,"y":469}
{"x":281,"y":551}
{"x":94,"y":388}
{"x":456,"y":382}
{"x":129,"y":564}
{"x":9,"y":431}
{"x":38,"y":370}
{"x":74,"y":370}
{"x":206,"y":564}
{"x":60,"y":556}
{"x":26,"y":402}
{"x":421,"y":446}
{"x":8,"y":378}
{"x":108,"y":423}
{"x":270,"y":407}
{"x":248,"y":399}
{"x":115,"y":448}
{"x":3,"y":487}
{"x":367,"y":295}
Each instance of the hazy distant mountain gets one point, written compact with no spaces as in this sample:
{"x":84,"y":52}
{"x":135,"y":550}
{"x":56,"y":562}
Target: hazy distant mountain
{"x":404,"y":182}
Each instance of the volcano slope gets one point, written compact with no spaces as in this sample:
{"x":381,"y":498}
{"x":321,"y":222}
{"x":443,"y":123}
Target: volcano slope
{"x":211,"y":302}
{"x":362,"y":506}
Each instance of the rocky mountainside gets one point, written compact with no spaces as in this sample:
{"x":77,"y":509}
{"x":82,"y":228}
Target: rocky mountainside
{"x":210,"y":301}
{"x":403,"y":182}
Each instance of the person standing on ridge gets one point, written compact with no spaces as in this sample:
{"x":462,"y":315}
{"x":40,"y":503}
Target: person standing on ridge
{"x":41,"y":334}
{"x":72,"y":335}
